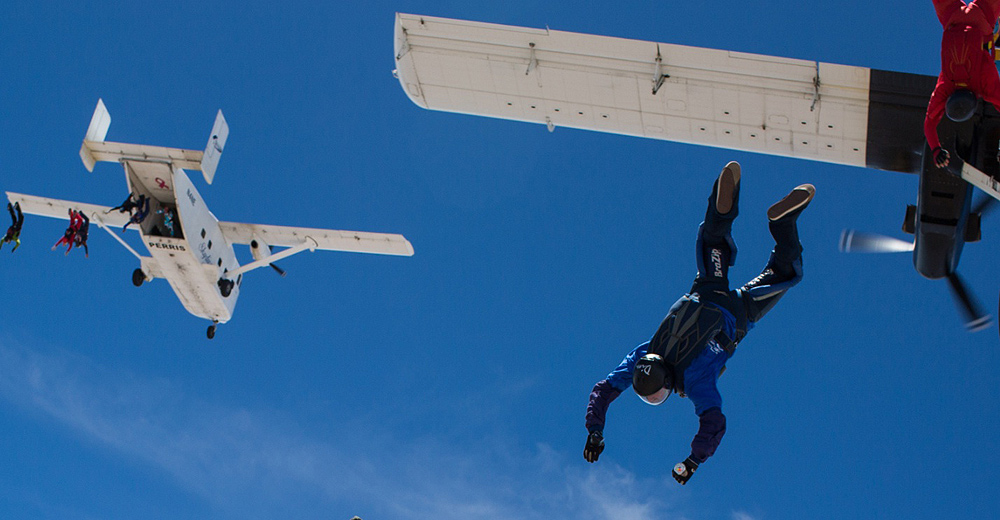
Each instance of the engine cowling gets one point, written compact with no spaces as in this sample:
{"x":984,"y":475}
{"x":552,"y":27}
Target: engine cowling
{"x":259,"y":249}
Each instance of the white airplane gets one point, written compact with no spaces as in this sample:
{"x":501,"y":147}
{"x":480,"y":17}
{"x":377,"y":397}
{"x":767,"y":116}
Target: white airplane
{"x":809,"y":110}
{"x":194,"y":252}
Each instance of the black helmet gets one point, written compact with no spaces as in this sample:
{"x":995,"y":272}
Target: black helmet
{"x":961,"y":105}
{"x":652,"y":380}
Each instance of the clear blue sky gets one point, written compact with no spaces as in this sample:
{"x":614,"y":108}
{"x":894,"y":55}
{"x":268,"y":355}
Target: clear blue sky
{"x":453,"y":384}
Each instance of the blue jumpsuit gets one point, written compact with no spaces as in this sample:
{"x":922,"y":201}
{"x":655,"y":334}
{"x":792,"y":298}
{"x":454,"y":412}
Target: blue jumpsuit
{"x":715,"y":252}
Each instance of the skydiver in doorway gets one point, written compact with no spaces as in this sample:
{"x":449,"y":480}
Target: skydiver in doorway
{"x":968,"y":71}
{"x":14,"y":231}
{"x":168,"y":220}
{"x":128,"y":206}
{"x":689,"y":351}
{"x":141,"y":213}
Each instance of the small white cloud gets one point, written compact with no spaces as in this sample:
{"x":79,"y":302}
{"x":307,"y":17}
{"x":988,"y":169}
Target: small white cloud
{"x":251,"y":463}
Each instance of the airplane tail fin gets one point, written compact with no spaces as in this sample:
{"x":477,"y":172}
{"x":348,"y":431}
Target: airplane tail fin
{"x":95,"y":148}
{"x":213,"y":151}
{"x":96,"y":132}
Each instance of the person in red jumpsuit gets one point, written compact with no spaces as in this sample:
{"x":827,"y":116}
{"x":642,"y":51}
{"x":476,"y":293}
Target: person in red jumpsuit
{"x":75,"y":221}
{"x":966,"y":62}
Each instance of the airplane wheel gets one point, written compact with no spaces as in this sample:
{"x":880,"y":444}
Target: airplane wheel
{"x":211,"y":331}
{"x":138,"y":277}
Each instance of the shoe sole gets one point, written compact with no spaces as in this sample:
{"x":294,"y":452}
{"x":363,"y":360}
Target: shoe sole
{"x":728,"y":180}
{"x":797,"y":199}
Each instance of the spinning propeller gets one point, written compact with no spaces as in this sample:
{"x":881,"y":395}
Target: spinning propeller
{"x":852,"y":241}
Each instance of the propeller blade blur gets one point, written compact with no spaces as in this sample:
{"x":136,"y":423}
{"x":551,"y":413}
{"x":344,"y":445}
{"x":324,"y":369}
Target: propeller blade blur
{"x":853,"y":241}
{"x":975,"y":319}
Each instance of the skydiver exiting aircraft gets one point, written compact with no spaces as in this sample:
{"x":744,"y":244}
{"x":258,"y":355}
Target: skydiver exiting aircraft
{"x":140,"y":215}
{"x":80,"y":239}
{"x":168,"y":220}
{"x":14,"y":231}
{"x":690,"y":349}
{"x":967,"y":67}
{"x":69,"y":235}
{"x":129,"y":206}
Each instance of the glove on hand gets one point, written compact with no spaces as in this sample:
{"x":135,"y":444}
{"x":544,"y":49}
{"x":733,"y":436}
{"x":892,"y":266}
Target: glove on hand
{"x":941,"y":157}
{"x":595,"y":445}
{"x":684,"y":470}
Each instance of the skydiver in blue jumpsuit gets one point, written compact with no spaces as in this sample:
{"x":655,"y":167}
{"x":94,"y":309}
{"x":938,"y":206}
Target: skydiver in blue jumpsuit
{"x":689,"y":351}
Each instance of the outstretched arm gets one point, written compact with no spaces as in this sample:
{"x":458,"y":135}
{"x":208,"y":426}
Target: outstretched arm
{"x":935,"y":111}
{"x":600,"y":399}
{"x":604,"y":392}
{"x":712,"y":426}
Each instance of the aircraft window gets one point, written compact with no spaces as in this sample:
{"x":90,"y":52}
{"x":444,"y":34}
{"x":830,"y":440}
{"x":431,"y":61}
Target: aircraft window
{"x":210,"y":244}
{"x":556,"y":109}
{"x":203,"y":233}
{"x":581,"y":113}
{"x":220,"y":262}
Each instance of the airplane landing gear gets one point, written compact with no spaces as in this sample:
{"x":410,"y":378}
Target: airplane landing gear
{"x":138,"y":277}
{"x":211,"y":331}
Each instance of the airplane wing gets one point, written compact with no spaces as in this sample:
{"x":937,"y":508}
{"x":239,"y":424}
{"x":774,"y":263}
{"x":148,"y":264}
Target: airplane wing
{"x":325,"y":239}
{"x":780,"y":106}
{"x":56,"y":208}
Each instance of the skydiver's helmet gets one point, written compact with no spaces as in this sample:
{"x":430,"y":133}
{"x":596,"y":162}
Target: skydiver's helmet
{"x":652,"y":380}
{"x":961,"y":105}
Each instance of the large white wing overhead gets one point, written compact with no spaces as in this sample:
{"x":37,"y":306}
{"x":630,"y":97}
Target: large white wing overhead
{"x":55,"y":208}
{"x":325,"y":239}
{"x":766,"y":104}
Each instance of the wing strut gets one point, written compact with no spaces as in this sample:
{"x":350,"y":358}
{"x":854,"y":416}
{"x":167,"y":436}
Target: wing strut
{"x":310,"y":244}
{"x":100,"y":223}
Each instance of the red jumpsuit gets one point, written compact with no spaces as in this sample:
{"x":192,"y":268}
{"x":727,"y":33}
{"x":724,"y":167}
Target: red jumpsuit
{"x":965,"y":60}
{"x":75,"y":221}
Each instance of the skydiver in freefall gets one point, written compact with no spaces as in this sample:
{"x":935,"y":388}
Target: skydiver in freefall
{"x":968,"y":71}
{"x":689,"y":351}
{"x":69,"y":235}
{"x":80,"y":238}
{"x":14,"y":231}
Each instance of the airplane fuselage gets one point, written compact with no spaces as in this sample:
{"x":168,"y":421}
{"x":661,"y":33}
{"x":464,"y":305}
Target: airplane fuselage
{"x":943,"y":206}
{"x":193,"y":255}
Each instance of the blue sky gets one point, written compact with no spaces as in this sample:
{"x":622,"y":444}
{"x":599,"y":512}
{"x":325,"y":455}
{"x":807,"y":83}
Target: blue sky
{"x":453,"y":384}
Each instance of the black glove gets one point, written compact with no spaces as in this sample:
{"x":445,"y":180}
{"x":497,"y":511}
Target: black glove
{"x":595,"y":445}
{"x":684,"y":470}
{"x":941,"y":157}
